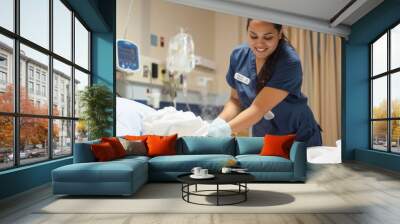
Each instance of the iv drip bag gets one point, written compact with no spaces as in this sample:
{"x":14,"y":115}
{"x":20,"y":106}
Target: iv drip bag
{"x":181,"y":58}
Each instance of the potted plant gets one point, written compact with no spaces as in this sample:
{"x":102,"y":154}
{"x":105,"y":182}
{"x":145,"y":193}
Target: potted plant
{"x":96,"y":103}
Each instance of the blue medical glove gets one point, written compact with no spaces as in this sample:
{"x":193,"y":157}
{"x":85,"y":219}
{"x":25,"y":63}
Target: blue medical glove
{"x":218,"y":121}
{"x":219,"y":128}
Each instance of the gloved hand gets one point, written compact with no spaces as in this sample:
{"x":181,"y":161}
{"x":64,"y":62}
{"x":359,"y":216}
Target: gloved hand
{"x":218,"y":121}
{"x":219,"y":128}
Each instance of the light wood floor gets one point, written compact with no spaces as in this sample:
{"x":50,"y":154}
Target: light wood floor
{"x":378,"y":188}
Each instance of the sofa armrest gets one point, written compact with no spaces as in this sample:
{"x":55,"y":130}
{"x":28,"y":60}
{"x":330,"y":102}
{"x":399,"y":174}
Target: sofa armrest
{"x":83,"y":152}
{"x":298,"y":155}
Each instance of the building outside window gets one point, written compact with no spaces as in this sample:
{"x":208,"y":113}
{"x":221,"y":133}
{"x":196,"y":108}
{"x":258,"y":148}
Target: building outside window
{"x":43,"y":90}
{"x":3,"y":61}
{"x":3,"y":78}
{"x":38,"y":89}
{"x":44,"y":77}
{"x":37,"y":75}
{"x":3,"y":81}
{"x":30,"y":72}
{"x":30,"y":87}
{"x":55,"y":101}
{"x":3,"y":72}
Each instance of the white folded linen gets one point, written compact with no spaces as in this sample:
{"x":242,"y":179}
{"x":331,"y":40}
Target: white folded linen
{"x":168,"y":121}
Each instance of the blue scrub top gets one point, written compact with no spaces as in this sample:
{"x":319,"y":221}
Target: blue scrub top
{"x":292,"y":115}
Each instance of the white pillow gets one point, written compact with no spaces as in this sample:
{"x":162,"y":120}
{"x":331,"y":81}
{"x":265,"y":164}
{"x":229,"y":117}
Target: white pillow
{"x":130,"y":115}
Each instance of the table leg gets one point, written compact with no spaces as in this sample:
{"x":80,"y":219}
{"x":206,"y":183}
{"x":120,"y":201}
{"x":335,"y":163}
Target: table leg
{"x":196,"y":188}
{"x":182,"y":190}
{"x":217,"y":194}
{"x":188,"y":189}
{"x":245,"y":191}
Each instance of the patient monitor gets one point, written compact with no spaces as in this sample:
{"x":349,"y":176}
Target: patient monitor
{"x":127,"y":56}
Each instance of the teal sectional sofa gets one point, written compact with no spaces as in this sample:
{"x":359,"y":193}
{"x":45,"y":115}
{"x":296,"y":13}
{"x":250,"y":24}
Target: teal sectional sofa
{"x":125,"y":176}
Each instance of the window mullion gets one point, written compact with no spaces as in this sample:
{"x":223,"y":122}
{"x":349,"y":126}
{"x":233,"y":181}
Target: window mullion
{"x":50,"y":81}
{"x":73,"y":82}
{"x":389,"y":106}
{"x":371,"y":89}
{"x":16,"y":84}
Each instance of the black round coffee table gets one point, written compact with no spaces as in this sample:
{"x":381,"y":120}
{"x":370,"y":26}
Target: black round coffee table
{"x":238,"y":179}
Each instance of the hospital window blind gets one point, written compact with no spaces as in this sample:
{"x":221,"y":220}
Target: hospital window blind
{"x":385,"y":91}
{"x":44,"y":64}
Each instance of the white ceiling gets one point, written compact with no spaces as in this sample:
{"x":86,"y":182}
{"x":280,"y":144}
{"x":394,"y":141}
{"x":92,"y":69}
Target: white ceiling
{"x":309,"y":14}
{"x":321,"y":9}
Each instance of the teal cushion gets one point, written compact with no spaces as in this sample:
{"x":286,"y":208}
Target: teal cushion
{"x":185,"y":163}
{"x":195,"y":145}
{"x":249,"y":145}
{"x":257,"y":163}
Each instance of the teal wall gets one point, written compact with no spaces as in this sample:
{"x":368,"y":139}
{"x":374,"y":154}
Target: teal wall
{"x":103,"y":52}
{"x":100,"y":17}
{"x":24,"y":178}
{"x":355,"y":86}
{"x":103,"y":67}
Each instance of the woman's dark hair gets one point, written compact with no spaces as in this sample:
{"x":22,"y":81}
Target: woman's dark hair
{"x":267,"y":69}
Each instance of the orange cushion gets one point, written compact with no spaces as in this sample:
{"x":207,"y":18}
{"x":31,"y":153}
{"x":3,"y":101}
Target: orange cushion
{"x":103,"y":151}
{"x":161,"y":145}
{"x":277,"y":145}
{"x":116,"y":145}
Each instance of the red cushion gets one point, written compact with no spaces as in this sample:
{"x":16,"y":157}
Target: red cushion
{"x":116,"y":145}
{"x":277,"y":145}
{"x":103,"y":151}
{"x":161,"y":145}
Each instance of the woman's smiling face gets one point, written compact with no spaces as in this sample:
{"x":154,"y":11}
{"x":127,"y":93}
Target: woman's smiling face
{"x":263,"y":38}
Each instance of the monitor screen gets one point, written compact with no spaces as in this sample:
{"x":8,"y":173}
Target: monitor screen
{"x":127,"y":56}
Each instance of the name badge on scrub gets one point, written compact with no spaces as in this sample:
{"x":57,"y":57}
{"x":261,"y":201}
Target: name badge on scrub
{"x":242,"y":78}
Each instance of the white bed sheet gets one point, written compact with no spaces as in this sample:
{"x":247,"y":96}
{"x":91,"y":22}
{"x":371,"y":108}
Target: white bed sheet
{"x":130,"y":115}
{"x":134,"y":118}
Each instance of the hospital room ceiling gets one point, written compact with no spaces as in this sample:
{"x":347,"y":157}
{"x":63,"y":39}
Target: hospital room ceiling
{"x":327,"y":16}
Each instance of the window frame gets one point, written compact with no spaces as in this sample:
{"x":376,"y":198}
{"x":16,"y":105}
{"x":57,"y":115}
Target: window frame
{"x":16,"y":114}
{"x":388,"y":74}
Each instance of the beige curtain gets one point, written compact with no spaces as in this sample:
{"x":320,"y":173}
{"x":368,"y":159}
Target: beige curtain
{"x":321,"y":61}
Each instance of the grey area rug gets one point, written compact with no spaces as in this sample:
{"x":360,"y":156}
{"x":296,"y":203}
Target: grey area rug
{"x":166,"y":198}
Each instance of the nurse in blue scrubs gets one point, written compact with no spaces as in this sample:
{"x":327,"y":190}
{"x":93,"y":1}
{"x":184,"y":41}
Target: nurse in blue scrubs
{"x":265,"y":77}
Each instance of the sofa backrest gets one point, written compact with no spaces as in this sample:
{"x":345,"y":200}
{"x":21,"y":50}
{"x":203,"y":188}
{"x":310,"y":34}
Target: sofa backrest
{"x":249,"y":145}
{"x":83,"y":152}
{"x":192,"y":145}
